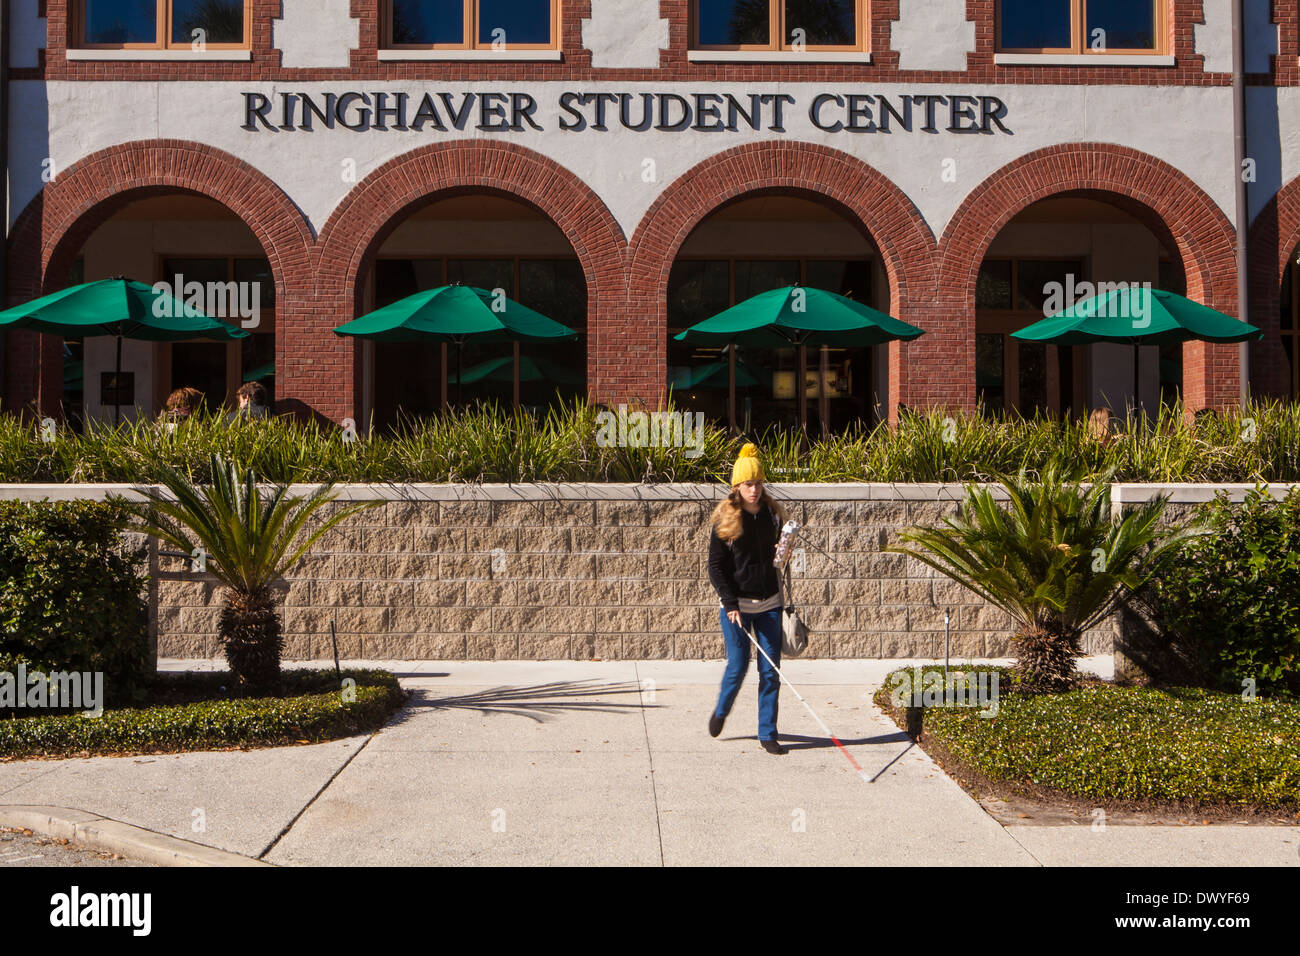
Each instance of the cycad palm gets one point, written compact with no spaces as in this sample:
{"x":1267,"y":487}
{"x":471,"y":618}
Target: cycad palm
{"x":1054,"y":558}
{"x":251,"y":538}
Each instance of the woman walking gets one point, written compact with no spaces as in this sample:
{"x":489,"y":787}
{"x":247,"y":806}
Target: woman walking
{"x":742,"y":546}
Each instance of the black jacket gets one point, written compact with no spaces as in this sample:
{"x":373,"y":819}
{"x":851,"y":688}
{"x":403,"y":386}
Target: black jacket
{"x":744,"y":567}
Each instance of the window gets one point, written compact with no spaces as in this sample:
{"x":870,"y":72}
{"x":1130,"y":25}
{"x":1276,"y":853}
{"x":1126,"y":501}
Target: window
{"x":1290,"y":324}
{"x":471,"y":24}
{"x":779,"y":24}
{"x":162,"y":24}
{"x":1011,"y":375}
{"x":1081,"y":26}
{"x":409,"y":377}
{"x":218,"y":369}
{"x":765,"y":378}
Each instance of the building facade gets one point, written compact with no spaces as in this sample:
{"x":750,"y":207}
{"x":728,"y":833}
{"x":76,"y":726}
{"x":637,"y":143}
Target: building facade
{"x":632,"y":166}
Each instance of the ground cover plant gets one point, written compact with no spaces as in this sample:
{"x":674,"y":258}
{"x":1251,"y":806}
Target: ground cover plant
{"x":211,"y":711}
{"x":491,"y":444}
{"x":1136,"y":745}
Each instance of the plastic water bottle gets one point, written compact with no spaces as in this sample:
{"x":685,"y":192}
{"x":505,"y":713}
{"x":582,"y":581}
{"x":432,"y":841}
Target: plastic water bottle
{"x":786,"y":543}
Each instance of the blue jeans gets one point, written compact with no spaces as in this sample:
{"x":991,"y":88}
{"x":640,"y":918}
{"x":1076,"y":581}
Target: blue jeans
{"x":767,"y":628}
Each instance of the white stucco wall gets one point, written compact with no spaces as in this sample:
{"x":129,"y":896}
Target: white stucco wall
{"x":626,"y":34}
{"x":315,"y":33}
{"x":932,"y":35}
{"x":83,"y":117}
{"x":1213,"y":38}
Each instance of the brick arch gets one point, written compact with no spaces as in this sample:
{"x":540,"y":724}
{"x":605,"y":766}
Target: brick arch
{"x":357,"y":228}
{"x":857,"y":191}
{"x":1162,"y":197}
{"x":1274,"y":240}
{"x":59,"y":219}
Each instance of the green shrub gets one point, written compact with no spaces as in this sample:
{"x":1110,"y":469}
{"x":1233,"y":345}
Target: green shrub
{"x":71,"y":594}
{"x":1124,"y":743}
{"x":1055,"y":558}
{"x":1230,"y":603}
{"x":311,"y":709}
{"x":488,"y":443}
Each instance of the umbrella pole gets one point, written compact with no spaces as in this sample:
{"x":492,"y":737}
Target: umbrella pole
{"x":117,"y":384}
{"x":1137,"y":367}
{"x":442,"y":349}
{"x":824,"y":400}
{"x":731,"y":386}
{"x":460,"y":399}
{"x":801,"y":384}
{"x":516,"y":351}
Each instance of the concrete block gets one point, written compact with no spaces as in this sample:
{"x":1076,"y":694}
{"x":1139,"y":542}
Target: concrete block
{"x":439,"y":593}
{"x":438,"y":540}
{"x":518,"y":514}
{"x":387,"y":593}
{"x":511,"y":619}
{"x":411,"y":567}
{"x":570,"y":566}
{"x":882,"y":617}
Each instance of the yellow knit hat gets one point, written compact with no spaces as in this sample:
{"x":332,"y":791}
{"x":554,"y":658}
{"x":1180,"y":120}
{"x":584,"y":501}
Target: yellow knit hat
{"x":747,"y":466}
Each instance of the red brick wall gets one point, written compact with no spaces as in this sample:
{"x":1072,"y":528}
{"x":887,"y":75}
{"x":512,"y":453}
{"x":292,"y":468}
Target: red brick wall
{"x":51,"y":230}
{"x":319,"y":366}
{"x":858,"y":192}
{"x":674,"y":65}
{"x":1274,"y":240}
{"x":1165,"y":199}
{"x":931,"y":284}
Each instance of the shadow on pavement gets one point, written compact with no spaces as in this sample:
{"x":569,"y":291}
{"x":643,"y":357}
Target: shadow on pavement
{"x":537,"y":702}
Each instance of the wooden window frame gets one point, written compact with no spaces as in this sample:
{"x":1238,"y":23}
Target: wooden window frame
{"x":776,"y":30}
{"x":163,"y":24}
{"x":469,"y":41}
{"x":1078,"y":34}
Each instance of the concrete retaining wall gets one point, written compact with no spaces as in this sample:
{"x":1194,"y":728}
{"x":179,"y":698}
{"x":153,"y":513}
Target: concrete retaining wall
{"x":596,"y":571}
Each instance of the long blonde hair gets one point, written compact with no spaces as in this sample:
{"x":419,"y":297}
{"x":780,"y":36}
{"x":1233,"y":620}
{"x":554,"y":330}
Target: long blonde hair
{"x":726,"y":518}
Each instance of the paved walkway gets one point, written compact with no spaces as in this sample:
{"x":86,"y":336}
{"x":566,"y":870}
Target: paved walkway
{"x":561,"y":762}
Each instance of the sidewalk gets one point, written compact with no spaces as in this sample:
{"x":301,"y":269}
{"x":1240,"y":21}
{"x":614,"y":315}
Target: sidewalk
{"x":560,"y":762}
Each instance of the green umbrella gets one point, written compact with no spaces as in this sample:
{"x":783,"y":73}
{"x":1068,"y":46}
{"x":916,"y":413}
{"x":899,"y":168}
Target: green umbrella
{"x":260,"y":372}
{"x":455,"y":314}
{"x":118,"y":307}
{"x":799,"y":316}
{"x":530,"y":370}
{"x":715,"y":375}
{"x":1136,"y":315}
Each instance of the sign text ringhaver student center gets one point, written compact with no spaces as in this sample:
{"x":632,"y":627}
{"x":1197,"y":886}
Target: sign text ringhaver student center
{"x":639,"y":112}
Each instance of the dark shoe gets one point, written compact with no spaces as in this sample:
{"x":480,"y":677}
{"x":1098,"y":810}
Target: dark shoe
{"x":772,"y":747}
{"x":715,"y":725}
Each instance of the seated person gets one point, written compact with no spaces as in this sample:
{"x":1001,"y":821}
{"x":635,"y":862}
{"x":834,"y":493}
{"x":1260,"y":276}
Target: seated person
{"x":181,"y":405}
{"x":252,"y":401}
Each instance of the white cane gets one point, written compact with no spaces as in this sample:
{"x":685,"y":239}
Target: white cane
{"x":821,"y":723}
